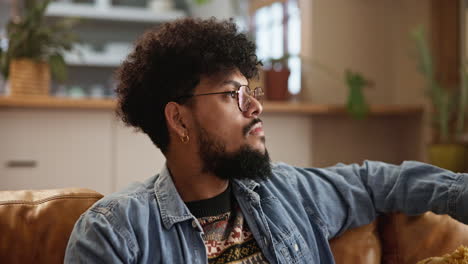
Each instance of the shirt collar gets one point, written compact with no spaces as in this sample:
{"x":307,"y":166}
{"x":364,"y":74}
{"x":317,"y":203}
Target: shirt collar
{"x":172,"y":207}
{"x":247,"y":184}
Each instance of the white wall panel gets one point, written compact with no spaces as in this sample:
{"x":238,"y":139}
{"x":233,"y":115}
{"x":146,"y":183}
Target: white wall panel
{"x":70,"y":149}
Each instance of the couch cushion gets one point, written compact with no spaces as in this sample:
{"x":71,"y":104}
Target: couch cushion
{"x":35,"y":225}
{"x":358,"y":246}
{"x":408,"y":239}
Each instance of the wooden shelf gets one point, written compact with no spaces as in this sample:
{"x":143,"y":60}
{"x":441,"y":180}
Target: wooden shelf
{"x":327,"y":109}
{"x":95,"y":61}
{"x":127,"y":14}
{"x":269,"y":107}
{"x":55,"y":102}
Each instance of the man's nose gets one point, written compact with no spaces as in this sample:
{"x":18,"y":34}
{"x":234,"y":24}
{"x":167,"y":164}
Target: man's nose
{"x":255,"y":108}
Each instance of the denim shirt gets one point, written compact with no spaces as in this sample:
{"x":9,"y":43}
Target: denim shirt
{"x":292,"y":215}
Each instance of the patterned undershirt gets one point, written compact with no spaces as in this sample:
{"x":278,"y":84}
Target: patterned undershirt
{"x":227,"y":236}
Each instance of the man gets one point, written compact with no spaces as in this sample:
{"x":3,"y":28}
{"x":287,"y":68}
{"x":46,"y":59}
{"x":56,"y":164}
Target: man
{"x":219,"y":199}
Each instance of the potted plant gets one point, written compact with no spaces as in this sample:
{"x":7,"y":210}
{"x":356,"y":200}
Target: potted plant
{"x":277,"y":73}
{"x":448,"y":110}
{"x":35,"y":50}
{"x":356,"y":104}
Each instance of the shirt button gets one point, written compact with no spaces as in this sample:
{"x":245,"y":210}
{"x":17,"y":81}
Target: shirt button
{"x":296,"y":247}
{"x":194,"y":224}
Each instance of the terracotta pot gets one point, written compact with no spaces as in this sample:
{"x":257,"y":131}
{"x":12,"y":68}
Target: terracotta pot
{"x":29,"y":78}
{"x":276,"y":85}
{"x":449,"y":156}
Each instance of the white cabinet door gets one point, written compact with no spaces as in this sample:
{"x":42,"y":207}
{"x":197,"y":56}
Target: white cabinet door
{"x":54,"y":149}
{"x":136,"y":158}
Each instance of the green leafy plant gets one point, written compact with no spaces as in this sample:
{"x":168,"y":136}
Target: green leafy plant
{"x":448,"y":104}
{"x":201,"y":2}
{"x":30,"y":36}
{"x":356,"y":105}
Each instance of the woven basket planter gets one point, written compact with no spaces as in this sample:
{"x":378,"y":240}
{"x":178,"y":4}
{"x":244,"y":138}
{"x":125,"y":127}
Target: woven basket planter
{"x":29,"y":78}
{"x":276,"y":85}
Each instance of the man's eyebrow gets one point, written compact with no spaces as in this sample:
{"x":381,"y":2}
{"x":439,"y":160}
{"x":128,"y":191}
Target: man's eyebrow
{"x":235,"y":83}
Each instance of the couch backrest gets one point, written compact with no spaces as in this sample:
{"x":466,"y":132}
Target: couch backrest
{"x":35,"y":225}
{"x":360,"y":245}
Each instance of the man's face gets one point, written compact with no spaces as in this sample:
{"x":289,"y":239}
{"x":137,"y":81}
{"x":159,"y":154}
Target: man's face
{"x":220,"y":117}
{"x":231,"y":142}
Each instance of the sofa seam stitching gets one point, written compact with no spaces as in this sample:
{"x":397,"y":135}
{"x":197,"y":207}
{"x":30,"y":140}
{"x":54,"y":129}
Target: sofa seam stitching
{"x":23,"y":202}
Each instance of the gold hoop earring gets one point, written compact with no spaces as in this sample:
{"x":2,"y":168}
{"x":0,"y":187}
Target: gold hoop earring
{"x":185,"y":139}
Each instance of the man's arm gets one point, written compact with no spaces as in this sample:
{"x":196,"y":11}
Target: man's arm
{"x":347,"y":196}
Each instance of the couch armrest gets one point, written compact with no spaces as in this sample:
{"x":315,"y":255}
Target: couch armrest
{"x":409,"y":239}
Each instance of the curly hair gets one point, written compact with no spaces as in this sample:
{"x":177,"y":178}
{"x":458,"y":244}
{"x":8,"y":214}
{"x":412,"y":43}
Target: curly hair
{"x":169,"y":61}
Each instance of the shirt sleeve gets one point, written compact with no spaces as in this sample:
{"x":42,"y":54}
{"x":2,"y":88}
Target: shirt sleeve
{"x":96,"y":239}
{"x":346,"y":196}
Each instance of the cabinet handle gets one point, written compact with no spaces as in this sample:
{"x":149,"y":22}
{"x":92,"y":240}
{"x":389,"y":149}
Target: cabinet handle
{"x":21,"y":164}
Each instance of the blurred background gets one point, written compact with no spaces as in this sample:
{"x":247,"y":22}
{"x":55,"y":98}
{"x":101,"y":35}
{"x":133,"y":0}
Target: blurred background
{"x":345,"y":81}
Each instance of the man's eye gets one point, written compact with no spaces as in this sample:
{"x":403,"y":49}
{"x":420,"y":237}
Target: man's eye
{"x":233,"y":94}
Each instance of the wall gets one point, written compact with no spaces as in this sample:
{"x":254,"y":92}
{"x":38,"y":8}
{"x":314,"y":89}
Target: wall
{"x":4,"y":13}
{"x":220,"y":8}
{"x":341,"y":139}
{"x":409,"y":84}
{"x":371,"y":37}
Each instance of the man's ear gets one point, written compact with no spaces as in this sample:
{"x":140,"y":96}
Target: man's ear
{"x":176,"y":121}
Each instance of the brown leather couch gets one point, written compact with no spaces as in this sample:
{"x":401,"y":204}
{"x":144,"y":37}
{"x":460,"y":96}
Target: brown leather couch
{"x":35,"y":226}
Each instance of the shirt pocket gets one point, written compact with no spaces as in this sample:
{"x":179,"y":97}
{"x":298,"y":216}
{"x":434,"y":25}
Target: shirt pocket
{"x":291,"y":247}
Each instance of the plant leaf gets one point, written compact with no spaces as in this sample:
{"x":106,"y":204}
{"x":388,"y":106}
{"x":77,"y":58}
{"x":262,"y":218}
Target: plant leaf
{"x":357,"y":106}
{"x":202,"y":2}
{"x":58,"y":67}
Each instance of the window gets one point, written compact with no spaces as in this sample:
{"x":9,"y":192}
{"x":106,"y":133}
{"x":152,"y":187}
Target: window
{"x":277,"y":30}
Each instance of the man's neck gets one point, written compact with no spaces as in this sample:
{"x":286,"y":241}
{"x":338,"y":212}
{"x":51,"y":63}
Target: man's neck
{"x":193,"y":184}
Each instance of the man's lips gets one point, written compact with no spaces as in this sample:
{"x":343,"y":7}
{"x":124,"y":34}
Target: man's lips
{"x":256,"y":129}
{"x":253,"y":125}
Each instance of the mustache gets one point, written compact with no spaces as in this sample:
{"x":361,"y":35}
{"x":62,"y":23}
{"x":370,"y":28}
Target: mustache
{"x":249,"y":126}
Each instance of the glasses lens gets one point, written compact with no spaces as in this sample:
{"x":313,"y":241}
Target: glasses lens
{"x":245,"y":95}
{"x":244,"y":98}
{"x":258,"y":94}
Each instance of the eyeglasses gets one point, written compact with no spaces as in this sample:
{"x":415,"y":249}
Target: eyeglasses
{"x":243,"y":95}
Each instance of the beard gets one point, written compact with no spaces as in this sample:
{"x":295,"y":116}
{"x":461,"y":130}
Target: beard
{"x":245,"y":163}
